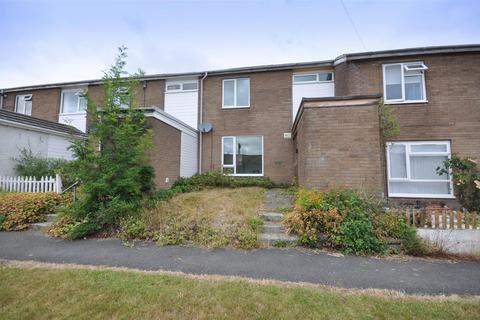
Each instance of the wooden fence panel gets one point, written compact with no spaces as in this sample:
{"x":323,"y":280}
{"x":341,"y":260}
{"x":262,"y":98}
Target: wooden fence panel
{"x":441,"y":218}
{"x":31,"y":184}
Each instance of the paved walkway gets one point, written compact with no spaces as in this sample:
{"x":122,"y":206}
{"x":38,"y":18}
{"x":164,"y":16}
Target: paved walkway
{"x":410,"y":276}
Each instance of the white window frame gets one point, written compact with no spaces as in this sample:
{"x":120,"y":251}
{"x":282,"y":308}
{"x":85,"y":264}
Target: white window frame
{"x":26,"y":97}
{"x":404,"y":66}
{"x":408,"y":146}
{"x":316,"y":74}
{"x":78,"y":91}
{"x":235,"y":106}
{"x":234,"y":163}
{"x":181,"y":84}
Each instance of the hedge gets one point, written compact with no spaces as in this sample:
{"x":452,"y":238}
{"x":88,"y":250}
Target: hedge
{"x":17,"y":210}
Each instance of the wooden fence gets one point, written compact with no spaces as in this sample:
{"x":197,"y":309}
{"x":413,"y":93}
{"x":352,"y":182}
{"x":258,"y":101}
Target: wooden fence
{"x":441,"y":218}
{"x":31,"y":184}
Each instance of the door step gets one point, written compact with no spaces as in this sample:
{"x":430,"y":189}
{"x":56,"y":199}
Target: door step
{"x":271,"y":216}
{"x":278,"y":239}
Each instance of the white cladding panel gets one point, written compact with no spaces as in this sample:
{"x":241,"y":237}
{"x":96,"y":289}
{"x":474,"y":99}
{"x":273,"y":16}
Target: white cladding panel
{"x":188,"y":155}
{"x":58,"y":147}
{"x":181,"y":104}
{"x":310,"y":90}
{"x":78,"y":120}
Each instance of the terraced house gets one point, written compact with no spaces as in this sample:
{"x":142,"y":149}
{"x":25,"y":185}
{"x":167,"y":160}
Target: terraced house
{"x":317,"y":122}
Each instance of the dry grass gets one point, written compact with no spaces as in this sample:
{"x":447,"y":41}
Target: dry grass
{"x":48,"y":291}
{"x":213,"y":217}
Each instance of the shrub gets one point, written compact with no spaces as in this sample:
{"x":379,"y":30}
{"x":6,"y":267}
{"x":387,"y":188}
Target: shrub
{"x":132,"y":228}
{"x":349,"y":220}
{"x":216,"y":179}
{"x":466,"y":177}
{"x":246,"y":238}
{"x":20,"y":209}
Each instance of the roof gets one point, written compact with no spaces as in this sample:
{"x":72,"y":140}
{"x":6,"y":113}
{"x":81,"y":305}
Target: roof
{"x":277,"y":67}
{"x":35,"y":123}
{"x":161,"y":115}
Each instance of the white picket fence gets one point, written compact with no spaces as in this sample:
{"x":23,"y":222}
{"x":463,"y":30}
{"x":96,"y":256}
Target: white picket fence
{"x":31,"y":184}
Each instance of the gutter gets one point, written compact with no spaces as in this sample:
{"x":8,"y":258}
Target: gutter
{"x":200,"y":120}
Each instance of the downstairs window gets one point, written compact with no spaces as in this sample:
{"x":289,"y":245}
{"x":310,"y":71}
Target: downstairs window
{"x":242,"y":155}
{"x":412,"y":169}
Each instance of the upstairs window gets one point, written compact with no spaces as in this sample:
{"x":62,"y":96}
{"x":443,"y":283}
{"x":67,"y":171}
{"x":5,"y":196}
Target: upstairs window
{"x":412,"y":169}
{"x":242,"y":155}
{"x":122,"y":98}
{"x":404,"y":82}
{"x":236,"y":93}
{"x":23,"y":104}
{"x":312,"y":77}
{"x":73,"y":101}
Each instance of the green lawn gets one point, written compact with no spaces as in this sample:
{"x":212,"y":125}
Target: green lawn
{"x":45,"y":293}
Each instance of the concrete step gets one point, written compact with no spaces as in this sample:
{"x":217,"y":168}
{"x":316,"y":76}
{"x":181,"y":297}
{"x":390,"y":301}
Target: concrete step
{"x":271,"y":216}
{"x":272,"y":239}
{"x":39,"y":226}
{"x":270,"y":227}
{"x":51,"y":217}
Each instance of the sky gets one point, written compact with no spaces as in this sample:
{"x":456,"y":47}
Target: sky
{"x":54,"y":41}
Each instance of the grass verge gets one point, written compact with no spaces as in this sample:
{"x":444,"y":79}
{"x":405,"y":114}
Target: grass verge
{"x":212,"y":217}
{"x":46,"y":291}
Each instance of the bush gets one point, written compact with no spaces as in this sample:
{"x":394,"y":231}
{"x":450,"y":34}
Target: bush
{"x":20,"y":209}
{"x":350,"y":221}
{"x":216,"y":179}
{"x":132,"y":228}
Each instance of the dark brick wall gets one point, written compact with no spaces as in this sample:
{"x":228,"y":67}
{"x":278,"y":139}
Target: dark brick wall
{"x":45,"y":103}
{"x":165,"y":155}
{"x":339,"y":146}
{"x":269,"y":115}
{"x":453,"y":93}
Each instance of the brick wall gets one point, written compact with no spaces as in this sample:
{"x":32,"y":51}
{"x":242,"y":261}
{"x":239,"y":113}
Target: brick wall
{"x":339,"y":146}
{"x":453,"y":108}
{"x":165,"y":155}
{"x":45,"y":103}
{"x":269,"y":115}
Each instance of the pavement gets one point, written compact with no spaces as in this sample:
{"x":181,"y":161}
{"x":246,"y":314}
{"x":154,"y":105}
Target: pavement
{"x":417,"y":276}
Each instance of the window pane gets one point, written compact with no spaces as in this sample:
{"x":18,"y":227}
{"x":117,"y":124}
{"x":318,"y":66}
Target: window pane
{"x":173,"y":87}
{"x":398,"y":167}
{"x":28,"y":107}
{"x":425,"y":167}
{"x":325,"y":76}
{"x":83,"y":104}
{"x":70,"y":102}
{"x":228,"y":151}
{"x":413,"y":88}
{"x":440,"y":188}
{"x":249,"y":155}
{"x":429,"y":148}
{"x":393,"y":82}
{"x":243,"y":90}
{"x":190,"y":86}
{"x":305,"y":78}
{"x":19,"y":104}
{"x":228,"y":93}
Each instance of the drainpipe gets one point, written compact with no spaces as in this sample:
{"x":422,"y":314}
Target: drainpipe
{"x":200,"y":120}
{"x":1,"y":99}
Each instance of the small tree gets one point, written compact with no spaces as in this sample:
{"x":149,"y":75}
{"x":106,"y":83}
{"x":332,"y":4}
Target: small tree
{"x":466,"y":178}
{"x":113,"y":162}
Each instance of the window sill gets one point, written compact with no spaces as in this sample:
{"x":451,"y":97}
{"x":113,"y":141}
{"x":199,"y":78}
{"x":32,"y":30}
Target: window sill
{"x":247,"y":175}
{"x":227,"y":108}
{"x":421,"y":196}
{"x":73,"y":114}
{"x":406,"y":102}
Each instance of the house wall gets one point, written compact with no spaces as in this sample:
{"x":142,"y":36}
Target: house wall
{"x":452,"y":90}
{"x":14,"y":139}
{"x":45,"y":103}
{"x":269,"y":115}
{"x":339,"y":146}
{"x":165,"y":155}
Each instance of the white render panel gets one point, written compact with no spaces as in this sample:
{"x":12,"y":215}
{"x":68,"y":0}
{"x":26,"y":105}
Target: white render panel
{"x":310,"y":90}
{"x":77,"y":120}
{"x":183,"y":105}
{"x":188,"y":155}
{"x":58,"y":148}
